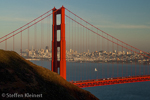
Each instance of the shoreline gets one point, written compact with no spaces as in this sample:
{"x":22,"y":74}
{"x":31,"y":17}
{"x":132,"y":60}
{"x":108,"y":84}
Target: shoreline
{"x":110,"y":62}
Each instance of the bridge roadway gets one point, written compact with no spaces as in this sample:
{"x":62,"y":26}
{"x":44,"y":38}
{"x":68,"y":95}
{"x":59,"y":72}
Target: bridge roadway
{"x":110,"y":81}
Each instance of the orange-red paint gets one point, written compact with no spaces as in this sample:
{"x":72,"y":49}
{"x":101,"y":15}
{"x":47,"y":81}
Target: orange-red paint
{"x":111,"y":81}
{"x":62,"y":43}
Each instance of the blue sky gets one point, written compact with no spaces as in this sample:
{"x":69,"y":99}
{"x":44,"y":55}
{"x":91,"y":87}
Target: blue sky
{"x":128,"y":20}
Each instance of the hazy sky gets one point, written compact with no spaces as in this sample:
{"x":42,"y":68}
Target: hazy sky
{"x":128,"y":20}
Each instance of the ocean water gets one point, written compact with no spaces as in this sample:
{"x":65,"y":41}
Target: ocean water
{"x":128,"y":91}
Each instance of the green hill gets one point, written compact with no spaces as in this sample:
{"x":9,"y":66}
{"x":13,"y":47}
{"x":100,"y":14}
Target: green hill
{"x":19,"y":77}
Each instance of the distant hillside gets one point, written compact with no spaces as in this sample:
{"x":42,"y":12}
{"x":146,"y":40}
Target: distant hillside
{"x":19,"y":77}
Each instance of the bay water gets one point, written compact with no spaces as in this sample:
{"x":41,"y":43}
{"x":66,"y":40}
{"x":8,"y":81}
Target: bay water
{"x":77,"y":71}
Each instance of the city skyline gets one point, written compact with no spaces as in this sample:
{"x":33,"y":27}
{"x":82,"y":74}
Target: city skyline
{"x":96,"y":56}
{"x":49,"y":48}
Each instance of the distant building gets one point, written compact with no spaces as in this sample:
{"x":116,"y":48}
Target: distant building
{"x":88,"y":50}
{"x":46,"y":50}
{"x":46,"y":47}
{"x":42,"y":50}
{"x":76,"y":52}
{"x":128,"y":53}
{"x":70,"y":50}
{"x":114,"y":51}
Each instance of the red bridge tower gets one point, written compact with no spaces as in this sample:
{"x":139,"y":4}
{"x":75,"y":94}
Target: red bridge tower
{"x":55,"y":64}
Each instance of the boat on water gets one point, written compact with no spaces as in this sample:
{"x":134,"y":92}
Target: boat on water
{"x":95,"y":69}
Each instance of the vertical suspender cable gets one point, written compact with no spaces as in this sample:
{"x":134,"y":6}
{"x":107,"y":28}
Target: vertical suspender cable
{"x":13,"y":42}
{"x":72,"y":45}
{"x":43,"y":39}
{"x":140,"y":66}
{"x":135,"y":63}
{"x":122,"y":59}
{"x":82,"y":49}
{"x":87,"y":43}
{"x":102,"y":58}
{"x":21,"y":43}
{"x":79,"y":37}
{"x":86,"y":53}
{"x":28,"y":41}
{"x":97,"y":54}
{"x":131,"y":62}
{"x":6,"y":43}
{"x":34,"y":39}
{"x":126,"y":63}
{"x":41,"y":43}
{"x":75,"y":41}
{"x":50,"y":41}
{"x":117,"y":58}
{"x":47,"y":41}
{"x":107,"y":57}
{"x":112,"y":59}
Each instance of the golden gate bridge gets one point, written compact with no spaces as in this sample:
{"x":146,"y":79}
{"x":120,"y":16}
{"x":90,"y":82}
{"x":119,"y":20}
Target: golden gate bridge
{"x":61,"y":29}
